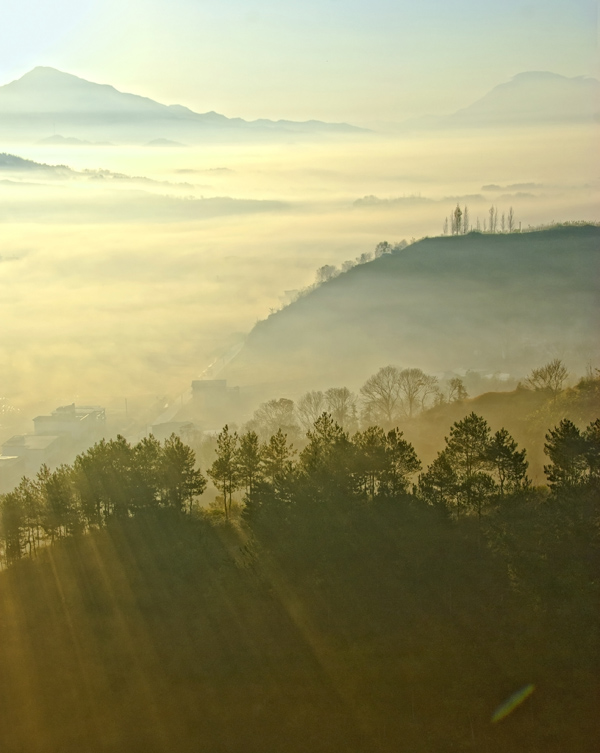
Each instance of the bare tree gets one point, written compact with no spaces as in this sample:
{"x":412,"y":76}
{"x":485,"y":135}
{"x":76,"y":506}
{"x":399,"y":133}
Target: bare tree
{"x":445,"y":228}
{"x":503,"y":223}
{"x":458,"y":220}
{"x":493,"y":218}
{"x":412,"y":382}
{"x":341,"y":403}
{"x":381,"y":395}
{"x":271,"y":416}
{"x":429,"y":391}
{"x":309,"y":408}
{"x":456,"y":390}
{"x":511,"y":220}
{"x":465,"y":221}
{"x":551,"y":377}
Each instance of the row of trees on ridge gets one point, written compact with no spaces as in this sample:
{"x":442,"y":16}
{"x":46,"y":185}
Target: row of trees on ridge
{"x":459,"y":222}
{"x":475,"y":471}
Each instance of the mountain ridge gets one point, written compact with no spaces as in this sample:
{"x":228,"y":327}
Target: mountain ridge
{"x":529,"y":97}
{"x":46,"y":97}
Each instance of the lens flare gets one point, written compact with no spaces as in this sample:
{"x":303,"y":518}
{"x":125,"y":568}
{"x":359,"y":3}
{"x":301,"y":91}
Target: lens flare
{"x":516,"y":699}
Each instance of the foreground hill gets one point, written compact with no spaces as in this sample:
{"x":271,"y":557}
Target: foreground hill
{"x":378,"y":628}
{"x":46,"y":101}
{"x":495,"y":303}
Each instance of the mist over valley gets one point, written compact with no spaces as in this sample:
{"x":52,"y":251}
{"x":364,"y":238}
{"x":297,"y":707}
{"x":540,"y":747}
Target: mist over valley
{"x":299,"y":377}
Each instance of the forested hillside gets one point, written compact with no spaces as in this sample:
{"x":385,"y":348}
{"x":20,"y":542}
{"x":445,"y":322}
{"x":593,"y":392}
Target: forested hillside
{"x":351,"y":599}
{"x":487,"y":302}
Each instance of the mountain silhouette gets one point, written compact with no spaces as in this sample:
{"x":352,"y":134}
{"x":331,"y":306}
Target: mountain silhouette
{"x":530,"y":98}
{"x":45,"y":101}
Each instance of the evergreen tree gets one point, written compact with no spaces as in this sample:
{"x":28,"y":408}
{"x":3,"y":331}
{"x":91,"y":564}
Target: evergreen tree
{"x":468,"y":447}
{"x":181,"y":481}
{"x":438,"y":486}
{"x":567,"y":448}
{"x":507,"y":462}
{"x":30,"y":499}
{"x":592,"y":450}
{"x":61,"y":512}
{"x":401,"y":463}
{"x":326,"y":464}
{"x":250,"y":461}
{"x":224,"y":471}
{"x":147,"y":465}
{"x":371,"y":458}
{"x":12,"y":521}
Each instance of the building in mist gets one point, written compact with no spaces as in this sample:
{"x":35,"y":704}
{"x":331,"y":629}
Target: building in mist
{"x":83,"y":423}
{"x":57,"y":439}
{"x":211,"y":405}
{"x":34,"y":451}
{"x":185,"y":430}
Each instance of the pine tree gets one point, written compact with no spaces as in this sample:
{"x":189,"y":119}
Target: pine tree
{"x":181,"y":480}
{"x":566,"y":447}
{"x":250,"y":456}
{"x":508,"y":463}
{"x":224,"y":471}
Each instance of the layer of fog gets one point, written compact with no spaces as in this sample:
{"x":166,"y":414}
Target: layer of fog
{"x":128,"y":274}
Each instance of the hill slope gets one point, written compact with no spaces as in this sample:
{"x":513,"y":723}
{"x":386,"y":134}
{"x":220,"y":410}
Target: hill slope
{"x":486,"y":302}
{"x":45,"y":100}
{"x":380,"y":628}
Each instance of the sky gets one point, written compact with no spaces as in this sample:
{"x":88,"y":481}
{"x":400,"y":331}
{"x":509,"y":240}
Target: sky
{"x":336,"y":60}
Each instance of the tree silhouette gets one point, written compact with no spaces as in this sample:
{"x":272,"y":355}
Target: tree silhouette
{"x":507,"y":462}
{"x":456,"y":390}
{"x":381,"y":395}
{"x":401,"y":463}
{"x":341,"y":404}
{"x":224,"y":471}
{"x":551,"y":376}
{"x":309,"y":408}
{"x":274,"y":415}
{"x":457,"y":224}
{"x":250,"y":458}
{"x":567,"y":450}
{"x":181,"y":481}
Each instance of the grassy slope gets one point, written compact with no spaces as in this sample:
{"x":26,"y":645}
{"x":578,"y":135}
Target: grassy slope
{"x":496,"y":302}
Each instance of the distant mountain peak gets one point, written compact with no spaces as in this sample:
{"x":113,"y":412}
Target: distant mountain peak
{"x":45,"y":98}
{"x":534,"y":76}
{"x":528,"y":98}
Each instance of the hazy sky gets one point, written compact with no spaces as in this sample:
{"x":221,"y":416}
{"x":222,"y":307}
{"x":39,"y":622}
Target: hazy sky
{"x":330,"y":59}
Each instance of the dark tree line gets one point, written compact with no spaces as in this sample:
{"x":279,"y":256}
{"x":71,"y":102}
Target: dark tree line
{"x":460,"y":222}
{"x":474,"y":473}
{"x":111,"y":480}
